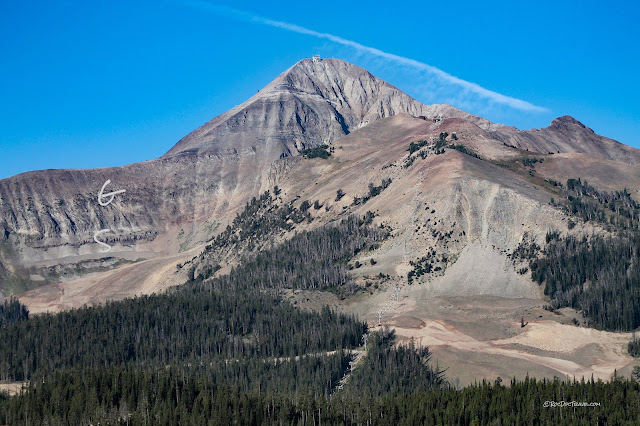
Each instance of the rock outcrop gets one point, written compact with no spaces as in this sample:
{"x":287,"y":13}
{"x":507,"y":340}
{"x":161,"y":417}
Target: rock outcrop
{"x":565,"y":135}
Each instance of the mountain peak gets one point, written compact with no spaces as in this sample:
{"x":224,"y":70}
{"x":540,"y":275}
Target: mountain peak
{"x":566,"y":122}
{"x":325,"y":70}
{"x":310,"y":66}
{"x":350,"y":89}
{"x":312,"y":103}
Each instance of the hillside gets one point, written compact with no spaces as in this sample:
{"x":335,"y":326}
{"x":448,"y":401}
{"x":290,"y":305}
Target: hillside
{"x":566,"y":135}
{"x":48,"y":218}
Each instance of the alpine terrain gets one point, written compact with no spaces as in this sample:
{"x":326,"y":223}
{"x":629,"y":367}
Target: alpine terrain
{"x":338,"y":202}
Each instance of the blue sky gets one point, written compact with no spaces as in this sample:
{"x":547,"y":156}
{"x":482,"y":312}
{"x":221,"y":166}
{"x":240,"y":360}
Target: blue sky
{"x":95,"y":84}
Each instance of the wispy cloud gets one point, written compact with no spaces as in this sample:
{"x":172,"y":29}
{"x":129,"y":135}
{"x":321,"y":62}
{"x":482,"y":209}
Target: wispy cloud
{"x":442,"y":76}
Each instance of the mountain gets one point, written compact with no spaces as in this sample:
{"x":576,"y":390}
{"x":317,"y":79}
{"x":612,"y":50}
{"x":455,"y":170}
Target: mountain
{"x":50,"y":216}
{"x":467,"y":205}
{"x":310,"y":104}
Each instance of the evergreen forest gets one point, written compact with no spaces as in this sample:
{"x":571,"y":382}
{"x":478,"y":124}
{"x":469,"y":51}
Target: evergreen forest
{"x":598,"y":274}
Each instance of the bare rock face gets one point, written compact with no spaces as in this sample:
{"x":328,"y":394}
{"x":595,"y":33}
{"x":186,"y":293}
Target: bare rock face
{"x":310,"y":104}
{"x":57,"y":211}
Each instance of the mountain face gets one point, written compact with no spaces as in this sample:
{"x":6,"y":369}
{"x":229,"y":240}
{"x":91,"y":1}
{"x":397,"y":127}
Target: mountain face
{"x":566,"y":134}
{"x":177,"y":202}
{"x":310,"y":104}
{"x":53,"y":214}
{"x":464,"y":201}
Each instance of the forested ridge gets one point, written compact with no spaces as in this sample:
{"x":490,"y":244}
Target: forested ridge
{"x":389,"y":369}
{"x":261,"y":220}
{"x":267,"y":218}
{"x":597,"y":274}
{"x":316,"y":259}
{"x":196,"y":327}
{"x":230,"y":317}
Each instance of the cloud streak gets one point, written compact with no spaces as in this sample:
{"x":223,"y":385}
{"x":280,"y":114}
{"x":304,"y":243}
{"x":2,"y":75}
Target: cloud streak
{"x":443,"y":76}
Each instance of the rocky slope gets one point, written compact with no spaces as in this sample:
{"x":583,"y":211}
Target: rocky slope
{"x":566,"y":134}
{"x":310,"y":104}
{"x":179,"y":201}
{"x":457,"y":193}
{"x":52,"y":215}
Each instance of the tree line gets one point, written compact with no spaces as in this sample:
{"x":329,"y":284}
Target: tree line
{"x":316,"y":259}
{"x":597,"y":274}
{"x":614,"y":210}
{"x":236,"y":316}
